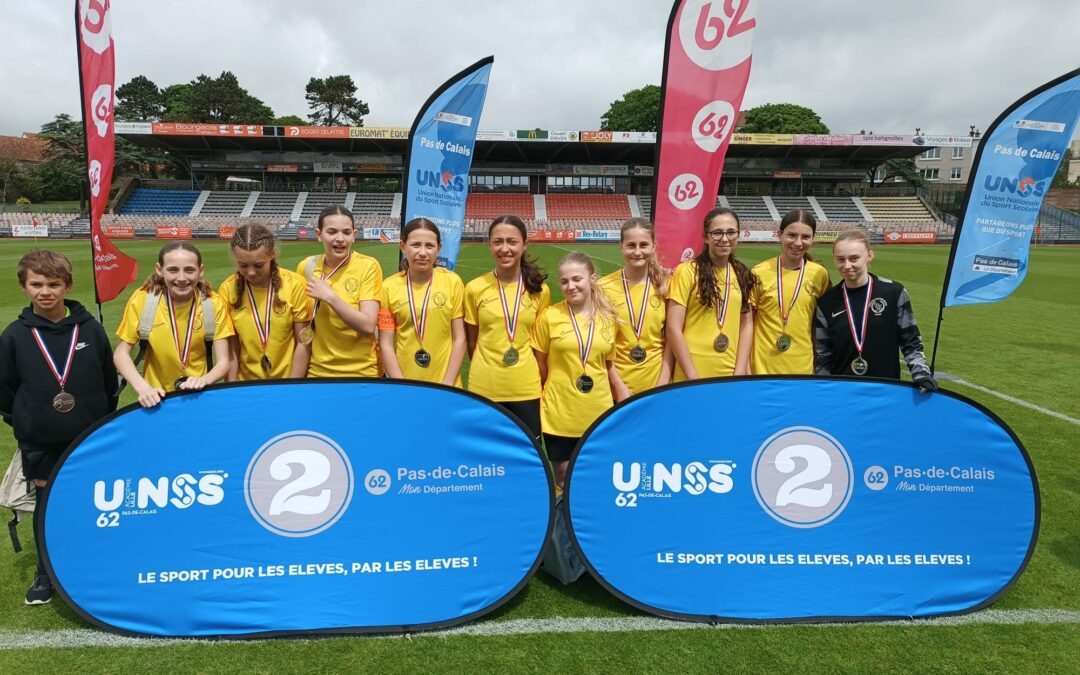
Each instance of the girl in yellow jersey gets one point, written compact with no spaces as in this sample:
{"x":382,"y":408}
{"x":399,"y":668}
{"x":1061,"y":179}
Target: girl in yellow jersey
{"x":175,"y":332}
{"x":638,"y":292}
{"x":500,"y":311}
{"x":710,"y":325}
{"x":269,"y":308}
{"x":784,"y":298}
{"x":421,"y":330}
{"x":574,"y":343}
{"x":346,"y":287}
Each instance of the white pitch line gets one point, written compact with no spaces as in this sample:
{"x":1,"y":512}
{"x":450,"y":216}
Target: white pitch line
{"x":1010,"y":399}
{"x":85,"y":637}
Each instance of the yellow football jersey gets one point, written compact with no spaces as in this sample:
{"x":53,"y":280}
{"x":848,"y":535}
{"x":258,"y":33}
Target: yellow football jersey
{"x":445,"y":303}
{"x":701,"y":327}
{"x":161,"y":362}
{"x":798,"y":359}
{"x":642,"y":375}
{"x":294,"y":307}
{"x":489,"y":373}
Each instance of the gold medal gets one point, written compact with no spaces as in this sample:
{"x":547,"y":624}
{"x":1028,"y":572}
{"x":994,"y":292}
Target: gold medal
{"x":721,"y":343}
{"x":859,"y":366}
{"x":307,"y":335}
{"x":783,"y":343}
{"x":637,"y":354}
{"x":510,"y":357}
{"x":637,"y":323}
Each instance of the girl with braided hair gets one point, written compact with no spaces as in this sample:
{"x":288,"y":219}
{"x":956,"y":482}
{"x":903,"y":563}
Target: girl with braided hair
{"x":710,"y":326}
{"x":269,"y":308}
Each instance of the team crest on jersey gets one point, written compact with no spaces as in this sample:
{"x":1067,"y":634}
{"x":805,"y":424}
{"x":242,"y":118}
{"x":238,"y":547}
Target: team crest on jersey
{"x":280,"y":309}
{"x":351,"y":284}
{"x":439,"y":299}
{"x":527,"y":301}
{"x":878,"y":305}
{"x":655,"y":302}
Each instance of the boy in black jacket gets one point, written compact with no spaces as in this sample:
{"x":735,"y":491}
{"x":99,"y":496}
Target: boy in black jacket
{"x":56,"y":379}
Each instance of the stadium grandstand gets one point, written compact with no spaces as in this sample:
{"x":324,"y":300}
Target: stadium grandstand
{"x":556,"y":181}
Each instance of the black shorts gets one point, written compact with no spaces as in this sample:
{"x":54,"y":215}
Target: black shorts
{"x":559,"y":448}
{"x":526,"y":411}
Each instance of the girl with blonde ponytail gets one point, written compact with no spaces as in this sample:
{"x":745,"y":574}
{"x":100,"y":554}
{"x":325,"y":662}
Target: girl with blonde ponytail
{"x":574,"y":343}
{"x":269,"y":308}
{"x":638,"y":293}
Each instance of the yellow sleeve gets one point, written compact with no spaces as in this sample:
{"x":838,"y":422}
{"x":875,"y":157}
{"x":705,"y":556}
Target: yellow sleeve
{"x":386,"y":319}
{"x":223,"y":317}
{"x":682,"y":285}
{"x":457,"y":296}
{"x":471,"y":311}
{"x":541,"y":337}
{"x":128,"y":330}
{"x":300,"y":302}
{"x":545,"y":299}
{"x":372,"y":281}
{"x":756,"y":289}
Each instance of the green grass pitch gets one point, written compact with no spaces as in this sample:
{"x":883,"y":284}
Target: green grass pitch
{"x":1025,"y":346}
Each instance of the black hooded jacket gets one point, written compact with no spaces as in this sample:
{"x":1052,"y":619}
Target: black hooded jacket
{"x":27,"y":385}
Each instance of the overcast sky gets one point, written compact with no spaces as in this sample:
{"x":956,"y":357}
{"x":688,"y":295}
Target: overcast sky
{"x":887,"y":66}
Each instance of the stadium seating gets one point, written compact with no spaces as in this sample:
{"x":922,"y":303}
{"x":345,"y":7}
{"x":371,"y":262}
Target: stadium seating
{"x":317,"y":201}
{"x":645,"y":205}
{"x":490,"y":205}
{"x":785,"y":204}
{"x":160,"y":202}
{"x":228,"y":203}
{"x":749,"y":208}
{"x":598,"y":207}
{"x":373,"y":204}
{"x":275,"y":204}
{"x":897,"y":209}
{"x":841,"y":209}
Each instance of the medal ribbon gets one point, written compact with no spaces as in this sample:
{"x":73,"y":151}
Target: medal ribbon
{"x":784,"y":316}
{"x":262,"y":326}
{"x":326,"y":277}
{"x":511,"y":320}
{"x":186,"y":351}
{"x":61,"y":377}
{"x":584,"y":346}
{"x":721,"y":311}
{"x":421,"y":325}
{"x":637,"y":324}
{"x":859,"y":337}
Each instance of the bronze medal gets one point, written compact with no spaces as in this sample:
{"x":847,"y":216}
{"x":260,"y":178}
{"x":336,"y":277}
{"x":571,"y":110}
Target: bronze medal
{"x":783,"y":343}
{"x":265,"y":363}
{"x":637,"y":354}
{"x":63,"y":402}
{"x":584,"y":383}
{"x":511,"y":357}
{"x":721,"y":343}
{"x":422,"y":357}
{"x":860,"y":366}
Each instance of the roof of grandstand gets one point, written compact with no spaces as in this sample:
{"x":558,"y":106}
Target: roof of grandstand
{"x":529,"y":146}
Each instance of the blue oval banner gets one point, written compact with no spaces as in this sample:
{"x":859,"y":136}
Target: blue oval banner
{"x":799,"y":498}
{"x":298,"y":506}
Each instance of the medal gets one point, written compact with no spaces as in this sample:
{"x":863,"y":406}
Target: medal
{"x":62,"y":402}
{"x":179,"y":381}
{"x":307,"y":333}
{"x":182,"y":351}
{"x":637,"y":353}
{"x":510,"y":356}
{"x":721,"y":342}
{"x":262,"y":324}
{"x":859,"y":366}
{"x":584,"y":383}
{"x":783,"y":343}
{"x":422,"y":356}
